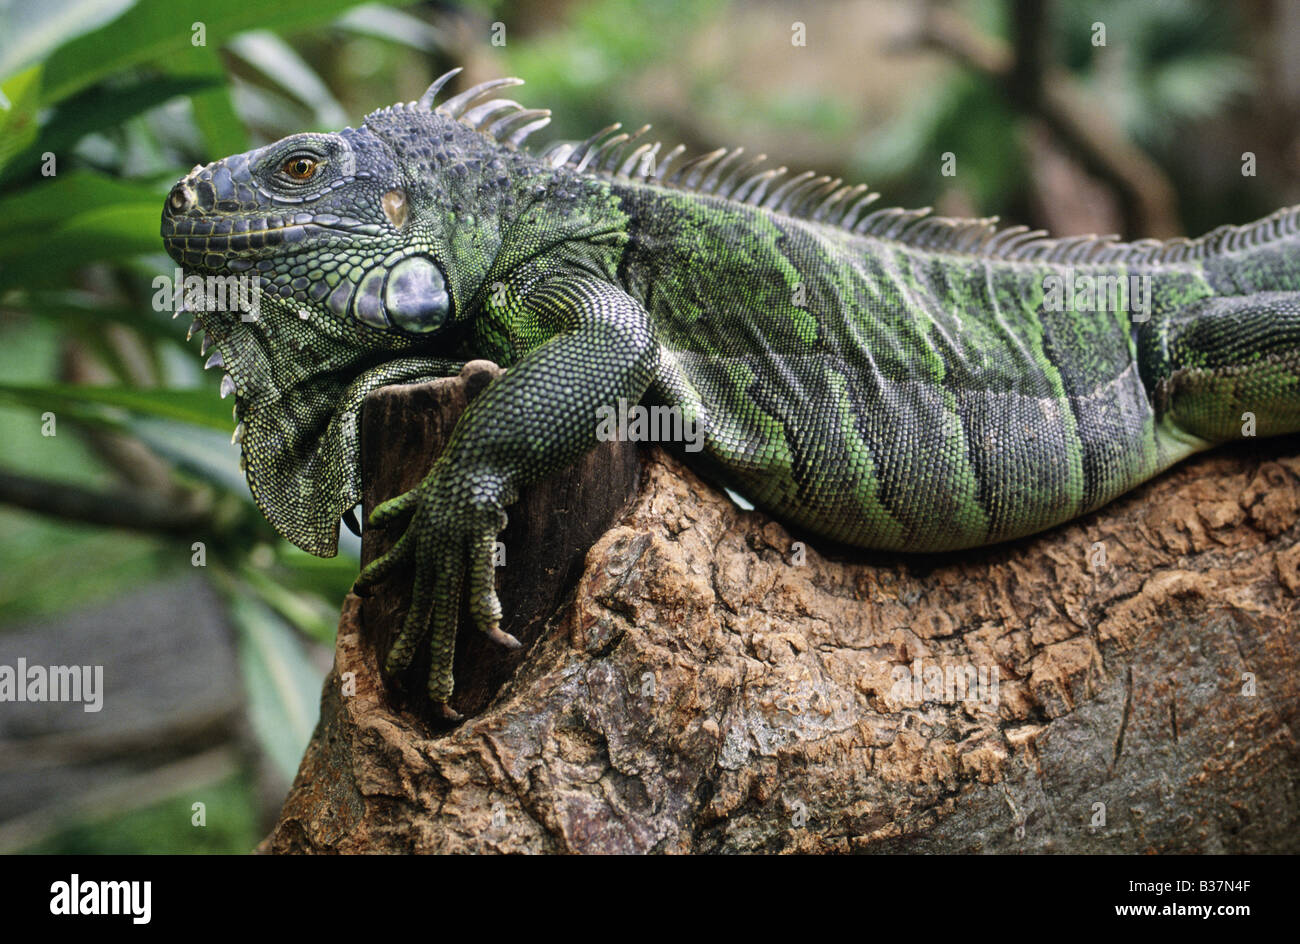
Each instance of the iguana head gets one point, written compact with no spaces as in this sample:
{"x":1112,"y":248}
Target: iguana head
{"x":324,"y":265}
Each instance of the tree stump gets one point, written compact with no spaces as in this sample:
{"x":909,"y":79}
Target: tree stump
{"x":705,"y":681}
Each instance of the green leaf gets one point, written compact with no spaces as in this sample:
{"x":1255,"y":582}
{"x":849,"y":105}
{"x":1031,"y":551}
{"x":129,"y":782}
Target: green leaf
{"x":91,"y":312}
{"x":36,"y":580}
{"x":327,"y":577}
{"x":309,"y":613}
{"x":207,"y":454}
{"x":19,"y":101}
{"x":110,"y":233}
{"x":30,"y":31}
{"x":196,"y":406}
{"x":383,"y":22}
{"x":141,"y":825}
{"x":157,"y":33}
{"x":282,"y":684}
{"x":222,"y":129}
{"x":99,"y":109}
{"x":33,"y":212}
{"x":278,"y":61}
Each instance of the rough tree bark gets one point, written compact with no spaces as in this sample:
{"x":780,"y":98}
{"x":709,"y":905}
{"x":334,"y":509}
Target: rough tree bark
{"x":702,"y":682}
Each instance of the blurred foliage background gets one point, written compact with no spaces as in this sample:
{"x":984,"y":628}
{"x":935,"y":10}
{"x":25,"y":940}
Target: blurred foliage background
{"x":1087,"y":116}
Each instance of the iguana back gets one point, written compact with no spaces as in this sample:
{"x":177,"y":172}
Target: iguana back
{"x":926,"y":384}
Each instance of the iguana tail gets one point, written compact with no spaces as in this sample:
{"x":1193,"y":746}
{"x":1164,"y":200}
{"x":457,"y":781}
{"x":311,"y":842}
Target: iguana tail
{"x":1224,"y":367}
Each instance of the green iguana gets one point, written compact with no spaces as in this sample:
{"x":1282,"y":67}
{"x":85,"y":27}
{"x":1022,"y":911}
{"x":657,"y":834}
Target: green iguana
{"x":882,"y":377}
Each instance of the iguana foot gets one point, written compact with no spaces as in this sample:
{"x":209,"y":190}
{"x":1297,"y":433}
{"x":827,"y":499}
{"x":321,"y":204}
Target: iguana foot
{"x":450,"y":540}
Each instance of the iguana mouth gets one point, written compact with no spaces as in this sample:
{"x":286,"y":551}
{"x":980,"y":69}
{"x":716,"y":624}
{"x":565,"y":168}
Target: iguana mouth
{"x":190,"y":239}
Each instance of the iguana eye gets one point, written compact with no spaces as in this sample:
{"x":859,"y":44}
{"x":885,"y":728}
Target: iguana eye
{"x":300,"y":167}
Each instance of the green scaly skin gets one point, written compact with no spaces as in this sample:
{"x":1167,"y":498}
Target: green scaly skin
{"x":890,"y":380}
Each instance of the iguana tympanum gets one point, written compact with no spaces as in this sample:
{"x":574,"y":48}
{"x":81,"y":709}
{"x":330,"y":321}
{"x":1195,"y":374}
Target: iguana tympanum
{"x":884,"y":378}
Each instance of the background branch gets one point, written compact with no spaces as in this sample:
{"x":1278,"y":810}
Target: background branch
{"x":118,"y":508}
{"x":1047,"y":93}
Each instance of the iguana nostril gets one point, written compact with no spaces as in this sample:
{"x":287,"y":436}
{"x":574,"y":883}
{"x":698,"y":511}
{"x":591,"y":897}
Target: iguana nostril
{"x":181,"y":198}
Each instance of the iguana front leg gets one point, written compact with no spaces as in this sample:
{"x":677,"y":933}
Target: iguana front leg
{"x":533,"y":420}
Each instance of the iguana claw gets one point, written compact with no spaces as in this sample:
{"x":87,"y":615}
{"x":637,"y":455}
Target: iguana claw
{"x":504,"y":638}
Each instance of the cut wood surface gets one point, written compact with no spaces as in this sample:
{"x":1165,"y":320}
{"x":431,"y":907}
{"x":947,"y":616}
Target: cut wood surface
{"x":703,"y":680}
